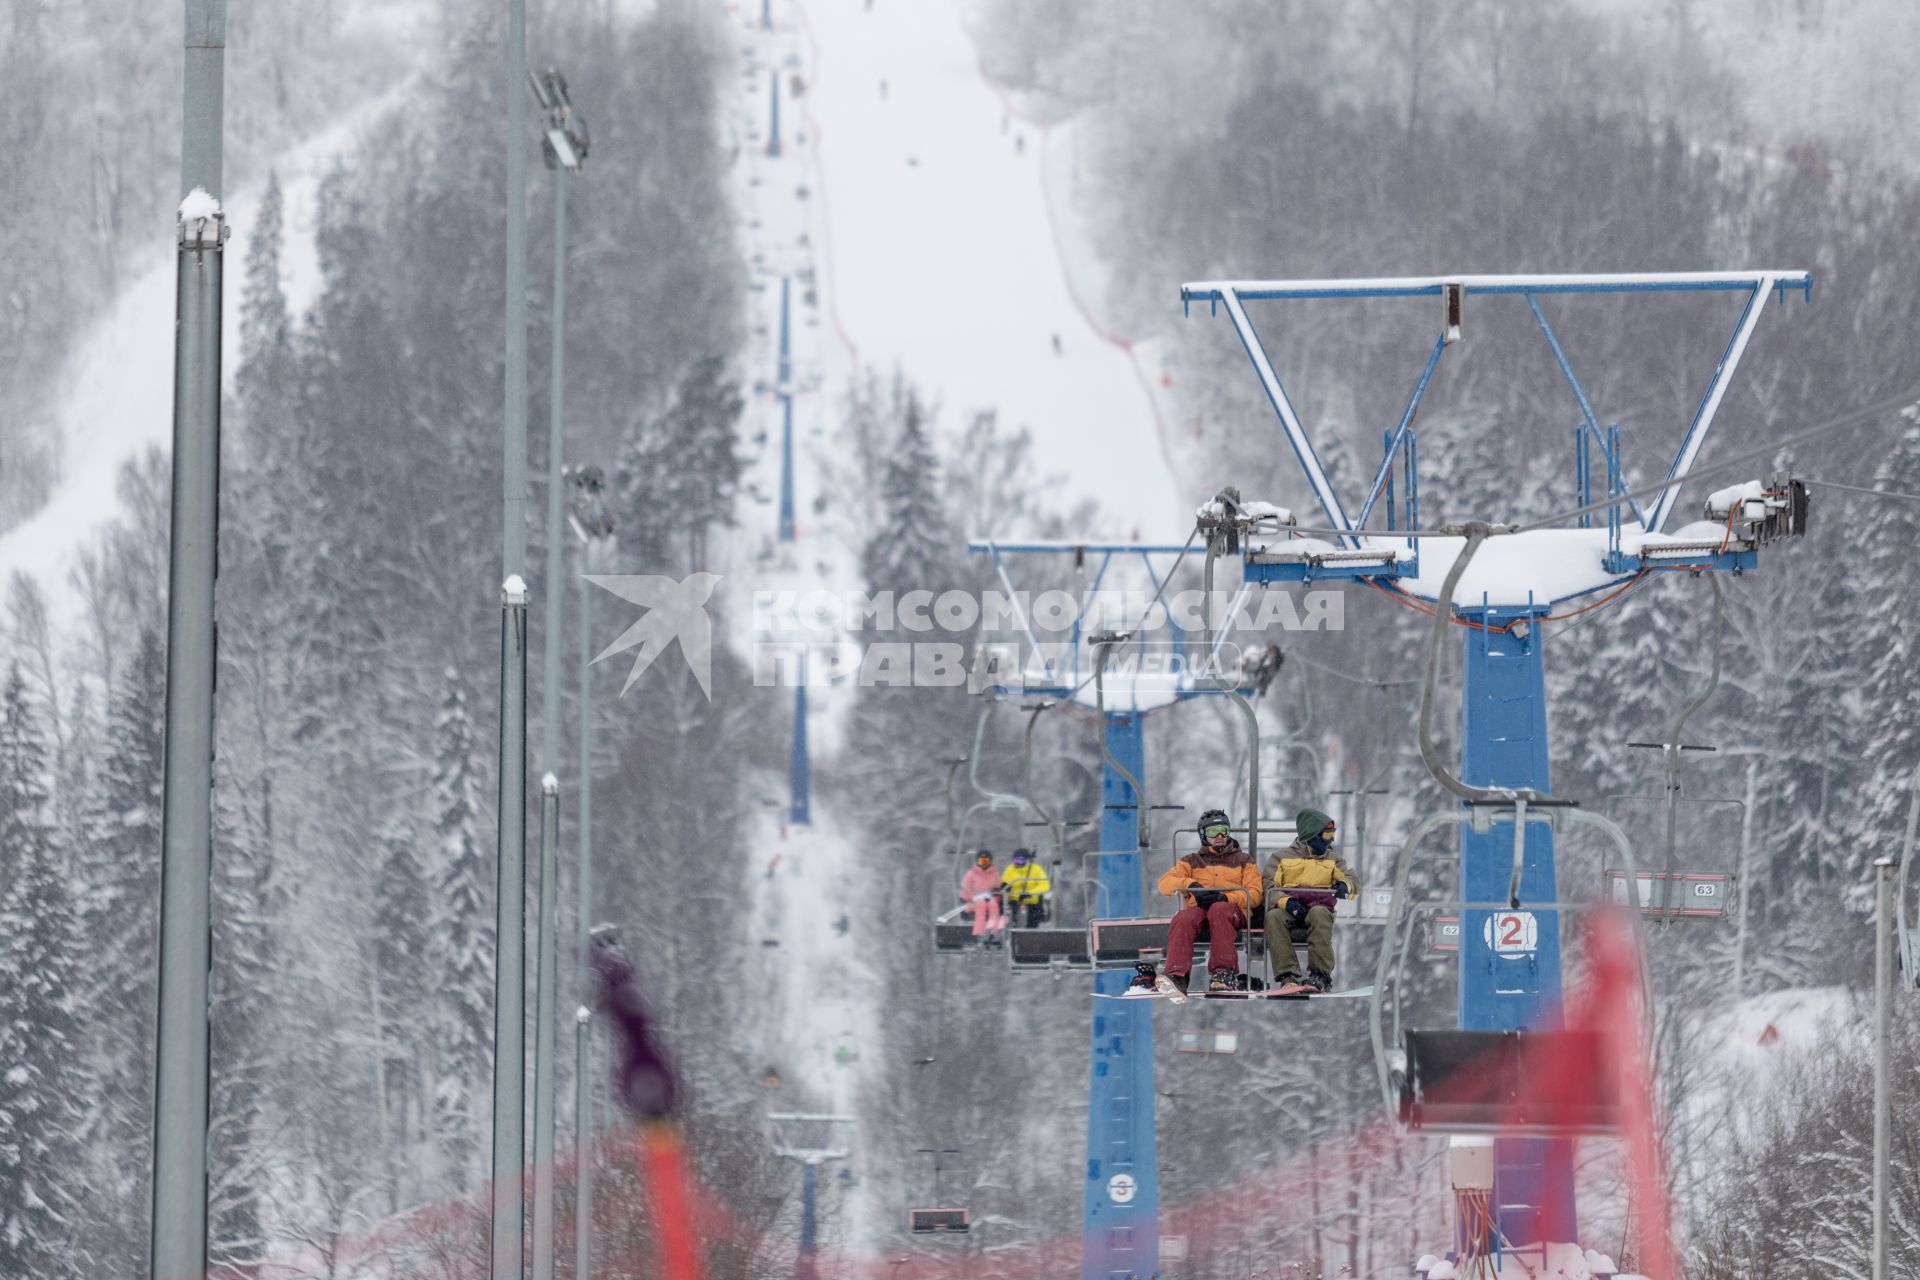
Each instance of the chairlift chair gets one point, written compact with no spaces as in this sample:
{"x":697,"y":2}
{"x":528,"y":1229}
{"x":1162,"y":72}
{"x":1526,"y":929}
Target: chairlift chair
{"x":1672,"y":892}
{"x":1454,"y":1081}
{"x":1050,"y":947}
{"x":942,"y":1217}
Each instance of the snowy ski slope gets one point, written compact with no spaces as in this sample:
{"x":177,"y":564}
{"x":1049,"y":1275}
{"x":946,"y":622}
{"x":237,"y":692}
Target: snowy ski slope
{"x":115,"y":393}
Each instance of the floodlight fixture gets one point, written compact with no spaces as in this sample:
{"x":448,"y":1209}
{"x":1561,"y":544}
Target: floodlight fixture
{"x":566,"y":139}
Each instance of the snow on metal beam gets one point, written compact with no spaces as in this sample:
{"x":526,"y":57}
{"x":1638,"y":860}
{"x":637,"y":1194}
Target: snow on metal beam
{"x":1421,"y":286}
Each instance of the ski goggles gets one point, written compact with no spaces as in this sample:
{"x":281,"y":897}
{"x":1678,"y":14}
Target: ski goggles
{"x":1217,"y":829}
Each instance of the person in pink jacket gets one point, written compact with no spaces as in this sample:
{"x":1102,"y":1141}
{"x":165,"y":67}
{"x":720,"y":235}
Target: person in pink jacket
{"x":980,"y":890}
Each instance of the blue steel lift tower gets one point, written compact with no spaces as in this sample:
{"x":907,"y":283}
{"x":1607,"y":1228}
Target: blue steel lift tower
{"x":807,"y":1140}
{"x":1519,"y":577}
{"x":784,"y":389}
{"x":1120,"y":1224}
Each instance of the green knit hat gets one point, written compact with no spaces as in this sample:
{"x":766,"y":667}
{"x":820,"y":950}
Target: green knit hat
{"x":1310,"y":823}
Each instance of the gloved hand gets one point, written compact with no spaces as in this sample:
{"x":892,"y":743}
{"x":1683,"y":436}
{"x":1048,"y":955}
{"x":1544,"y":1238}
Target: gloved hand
{"x":1205,"y":898}
{"x":1341,"y":889}
{"x":1296,"y":910}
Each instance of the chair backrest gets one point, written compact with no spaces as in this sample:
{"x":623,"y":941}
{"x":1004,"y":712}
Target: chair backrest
{"x":952,"y":937}
{"x":1114,"y":943}
{"x":926,"y":1221}
{"x":1045,"y":949}
{"x":1694,"y":895}
{"x":1507,"y":1082}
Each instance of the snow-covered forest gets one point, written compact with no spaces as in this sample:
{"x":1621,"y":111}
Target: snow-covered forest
{"x":789,"y":967}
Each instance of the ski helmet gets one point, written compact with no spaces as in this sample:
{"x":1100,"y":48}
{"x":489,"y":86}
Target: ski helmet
{"x":1215,"y":818}
{"x":1021,"y":855}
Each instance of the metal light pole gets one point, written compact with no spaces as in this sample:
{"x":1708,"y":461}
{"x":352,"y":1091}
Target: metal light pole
{"x":593,"y":526}
{"x":1882,"y":1037}
{"x":545,"y":981}
{"x":565,"y":146}
{"x":510,"y":933}
{"x":178,"y":1240}
{"x":510,"y":903}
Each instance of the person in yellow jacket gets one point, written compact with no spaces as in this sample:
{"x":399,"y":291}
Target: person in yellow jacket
{"x":1219,"y":886}
{"x":1307,"y":878}
{"x":1026,"y":885}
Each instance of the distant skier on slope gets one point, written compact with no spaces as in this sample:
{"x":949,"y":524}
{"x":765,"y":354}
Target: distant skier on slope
{"x":980,"y":890}
{"x":1220,"y":886}
{"x":1026,"y":885}
{"x":1307,"y":878}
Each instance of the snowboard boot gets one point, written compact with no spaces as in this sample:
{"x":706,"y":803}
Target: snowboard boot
{"x":1143,"y":980}
{"x":1173,"y":986}
{"x":1287,"y":979}
{"x":1320,"y":980}
{"x":1223,"y":980}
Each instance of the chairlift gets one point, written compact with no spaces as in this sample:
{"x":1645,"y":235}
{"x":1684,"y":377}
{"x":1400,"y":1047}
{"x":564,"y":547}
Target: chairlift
{"x":1050,"y":947}
{"x":1044,"y":949}
{"x":1673,"y":892}
{"x":1472,"y":1081}
{"x":934,"y":1221}
{"x":952,"y":933}
{"x":941,"y":1217}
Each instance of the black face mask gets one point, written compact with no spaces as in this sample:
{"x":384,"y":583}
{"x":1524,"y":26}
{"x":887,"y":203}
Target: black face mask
{"x":1320,"y":843}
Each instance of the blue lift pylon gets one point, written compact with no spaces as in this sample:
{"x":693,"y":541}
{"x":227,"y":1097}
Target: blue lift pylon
{"x":1120,"y":1211}
{"x":773,"y":114}
{"x":799,"y":773}
{"x":1509,"y":962}
{"x":806,"y":1139}
{"x":784,"y":389}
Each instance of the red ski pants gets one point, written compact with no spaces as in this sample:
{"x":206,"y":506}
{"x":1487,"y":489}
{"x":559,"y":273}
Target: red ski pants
{"x":1223,"y":921}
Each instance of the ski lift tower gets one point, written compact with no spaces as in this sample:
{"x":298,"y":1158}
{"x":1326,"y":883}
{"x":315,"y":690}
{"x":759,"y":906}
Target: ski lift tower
{"x":1515,"y":579}
{"x":1120,"y":1224}
{"x":807,"y":1139}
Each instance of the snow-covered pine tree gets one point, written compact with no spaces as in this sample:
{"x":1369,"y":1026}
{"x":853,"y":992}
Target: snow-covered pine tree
{"x":401,"y":946}
{"x":40,"y":1069}
{"x":680,"y":470}
{"x":461,"y":959}
{"x":245,"y":1052}
{"x":117,"y":868}
{"x":265,"y":373}
{"x":914,"y":548}
{"x":1886,"y":649}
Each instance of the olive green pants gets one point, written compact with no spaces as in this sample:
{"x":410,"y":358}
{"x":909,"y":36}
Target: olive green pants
{"x":1280,"y":953}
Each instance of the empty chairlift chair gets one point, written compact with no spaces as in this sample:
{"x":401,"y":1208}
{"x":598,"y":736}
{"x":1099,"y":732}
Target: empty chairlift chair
{"x":1508,"y":1082}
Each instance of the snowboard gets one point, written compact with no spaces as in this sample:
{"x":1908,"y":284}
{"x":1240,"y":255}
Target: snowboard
{"x":1292,"y":992}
